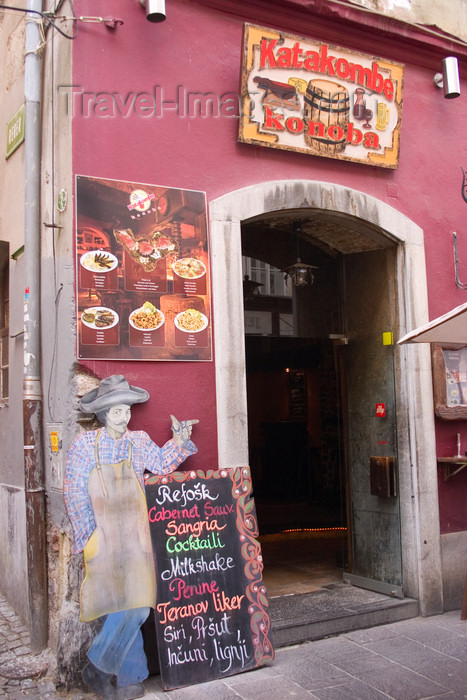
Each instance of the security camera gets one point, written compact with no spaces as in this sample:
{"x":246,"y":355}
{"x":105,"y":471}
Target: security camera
{"x":449,"y":78}
{"x":155,"y":10}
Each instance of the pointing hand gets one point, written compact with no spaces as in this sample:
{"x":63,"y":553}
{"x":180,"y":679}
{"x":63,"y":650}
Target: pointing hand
{"x":181,"y":430}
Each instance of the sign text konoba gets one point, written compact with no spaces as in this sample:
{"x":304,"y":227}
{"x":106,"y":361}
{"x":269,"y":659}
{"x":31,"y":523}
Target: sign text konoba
{"x":320,"y":99}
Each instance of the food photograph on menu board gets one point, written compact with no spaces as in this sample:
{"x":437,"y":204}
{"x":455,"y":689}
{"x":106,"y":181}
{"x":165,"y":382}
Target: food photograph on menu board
{"x":143,"y":283}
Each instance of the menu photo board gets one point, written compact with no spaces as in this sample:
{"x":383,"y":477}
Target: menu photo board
{"x":449,"y":363}
{"x":303,"y":95}
{"x":142,"y":272}
{"x":211,"y":612}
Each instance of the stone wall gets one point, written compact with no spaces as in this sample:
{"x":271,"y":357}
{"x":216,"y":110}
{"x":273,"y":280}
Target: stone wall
{"x":448,"y":15}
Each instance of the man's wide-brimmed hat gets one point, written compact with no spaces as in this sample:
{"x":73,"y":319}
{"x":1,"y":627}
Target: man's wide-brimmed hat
{"x":111,"y":391}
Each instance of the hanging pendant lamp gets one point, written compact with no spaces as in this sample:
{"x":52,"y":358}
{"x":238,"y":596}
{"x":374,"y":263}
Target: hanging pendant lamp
{"x":300,"y":274}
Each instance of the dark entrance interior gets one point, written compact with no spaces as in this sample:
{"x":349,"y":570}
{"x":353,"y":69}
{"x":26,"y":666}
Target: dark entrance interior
{"x":295,"y":433}
{"x":317,"y":367}
{"x":294,"y":390}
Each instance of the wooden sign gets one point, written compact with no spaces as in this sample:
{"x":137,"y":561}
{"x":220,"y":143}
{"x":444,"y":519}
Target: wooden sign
{"x":211,"y":613}
{"x":302,"y":95}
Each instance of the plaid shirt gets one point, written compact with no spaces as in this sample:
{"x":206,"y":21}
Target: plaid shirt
{"x":146,"y":455}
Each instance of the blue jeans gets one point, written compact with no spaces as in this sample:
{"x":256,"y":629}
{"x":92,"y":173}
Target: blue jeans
{"x":118,"y":647}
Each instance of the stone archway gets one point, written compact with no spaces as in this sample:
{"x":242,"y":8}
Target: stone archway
{"x":416,"y":436}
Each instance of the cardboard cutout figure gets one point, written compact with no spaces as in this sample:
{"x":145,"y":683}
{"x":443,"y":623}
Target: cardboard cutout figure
{"x":106,"y":504}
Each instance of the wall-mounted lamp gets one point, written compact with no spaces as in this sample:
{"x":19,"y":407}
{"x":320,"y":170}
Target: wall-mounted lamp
{"x":250,"y":288}
{"x":155,"y":10}
{"x":449,"y":78}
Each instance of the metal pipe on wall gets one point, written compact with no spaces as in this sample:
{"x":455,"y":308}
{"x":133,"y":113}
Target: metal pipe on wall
{"x":32,"y":390}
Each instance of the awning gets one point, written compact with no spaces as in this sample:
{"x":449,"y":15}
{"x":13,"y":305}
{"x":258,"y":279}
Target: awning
{"x":449,"y":328}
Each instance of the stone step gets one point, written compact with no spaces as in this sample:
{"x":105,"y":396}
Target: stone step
{"x":332,"y":610}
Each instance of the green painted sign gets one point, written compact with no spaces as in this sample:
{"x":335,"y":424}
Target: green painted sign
{"x":15,"y":132}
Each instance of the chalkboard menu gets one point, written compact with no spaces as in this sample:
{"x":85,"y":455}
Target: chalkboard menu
{"x":211,"y":612}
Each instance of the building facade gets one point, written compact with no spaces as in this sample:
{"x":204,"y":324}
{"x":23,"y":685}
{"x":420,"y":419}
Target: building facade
{"x":254,"y":140}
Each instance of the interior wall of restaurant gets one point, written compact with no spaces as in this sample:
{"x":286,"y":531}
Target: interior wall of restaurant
{"x":269,"y":401}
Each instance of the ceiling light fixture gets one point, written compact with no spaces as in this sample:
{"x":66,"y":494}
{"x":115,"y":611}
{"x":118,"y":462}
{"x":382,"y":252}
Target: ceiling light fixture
{"x":300,"y":274}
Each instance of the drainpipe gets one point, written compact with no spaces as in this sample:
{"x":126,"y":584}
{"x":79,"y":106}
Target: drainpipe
{"x":32,"y":391}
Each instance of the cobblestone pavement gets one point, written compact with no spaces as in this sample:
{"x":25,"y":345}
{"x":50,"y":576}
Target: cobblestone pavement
{"x":21,"y":674}
{"x":415,"y":659}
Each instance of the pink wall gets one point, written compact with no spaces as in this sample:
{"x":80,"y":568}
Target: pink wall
{"x":201,"y":51}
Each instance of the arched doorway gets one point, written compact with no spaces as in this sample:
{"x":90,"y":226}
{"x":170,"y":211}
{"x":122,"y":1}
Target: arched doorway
{"x":364,"y":216}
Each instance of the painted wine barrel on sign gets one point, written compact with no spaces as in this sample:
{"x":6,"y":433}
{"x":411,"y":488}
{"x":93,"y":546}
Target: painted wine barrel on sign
{"x":326,"y":115}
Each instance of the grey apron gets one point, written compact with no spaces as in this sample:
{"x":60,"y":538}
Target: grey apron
{"x":118,"y":558}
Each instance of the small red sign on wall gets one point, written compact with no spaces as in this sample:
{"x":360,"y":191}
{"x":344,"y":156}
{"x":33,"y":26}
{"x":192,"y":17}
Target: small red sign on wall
{"x":380,"y":410}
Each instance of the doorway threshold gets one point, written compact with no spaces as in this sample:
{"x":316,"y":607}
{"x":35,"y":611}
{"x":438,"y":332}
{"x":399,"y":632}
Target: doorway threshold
{"x":331,"y":610}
